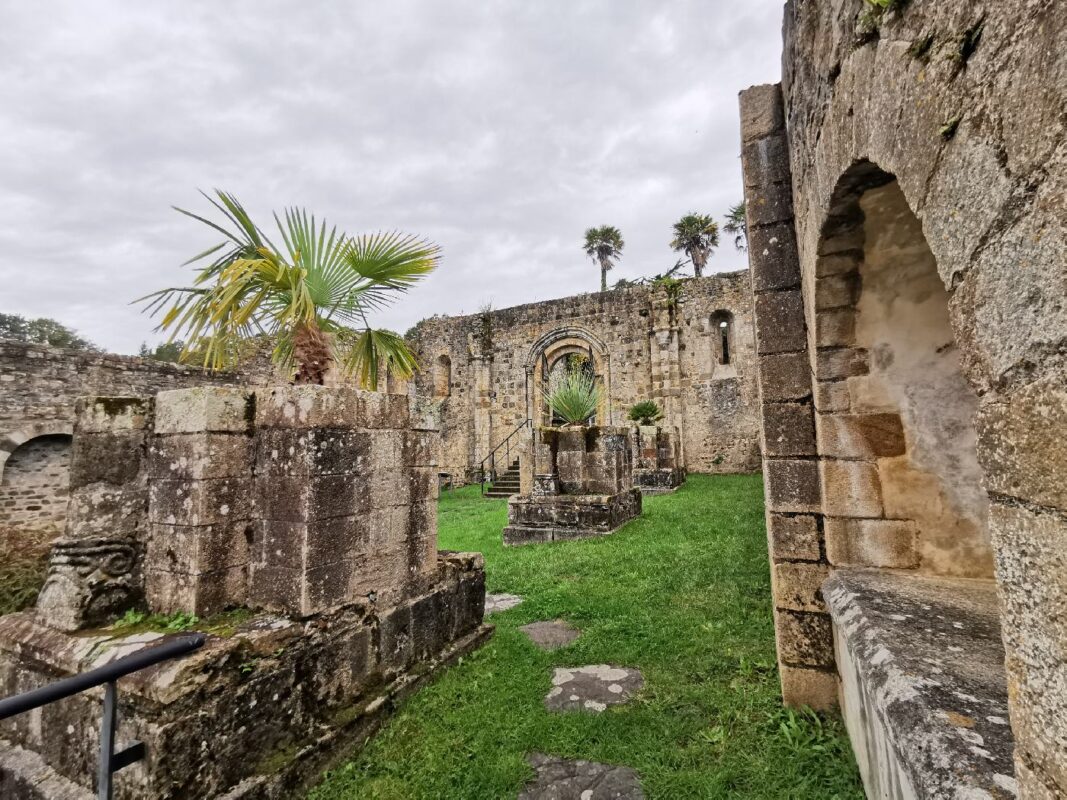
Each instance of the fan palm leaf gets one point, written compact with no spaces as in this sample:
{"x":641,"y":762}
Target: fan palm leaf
{"x":313,"y":292}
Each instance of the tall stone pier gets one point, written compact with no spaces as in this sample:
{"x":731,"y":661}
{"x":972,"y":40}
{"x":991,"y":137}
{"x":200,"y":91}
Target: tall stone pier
{"x":297,"y":526}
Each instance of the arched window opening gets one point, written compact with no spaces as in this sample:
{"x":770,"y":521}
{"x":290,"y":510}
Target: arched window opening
{"x":442,"y":377}
{"x":722,"y":331}
{"x":34,"y":487}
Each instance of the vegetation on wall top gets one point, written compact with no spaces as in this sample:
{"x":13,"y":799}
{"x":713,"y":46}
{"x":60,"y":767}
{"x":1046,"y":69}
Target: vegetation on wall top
{"x":576,"y":398}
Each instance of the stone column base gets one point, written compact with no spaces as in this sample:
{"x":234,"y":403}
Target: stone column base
{"x":537,"y":519}
{"x":658,"y":481}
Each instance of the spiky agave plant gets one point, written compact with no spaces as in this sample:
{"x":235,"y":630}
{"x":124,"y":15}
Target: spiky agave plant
{"x":576,"y":398}
{"x":311,"y":296}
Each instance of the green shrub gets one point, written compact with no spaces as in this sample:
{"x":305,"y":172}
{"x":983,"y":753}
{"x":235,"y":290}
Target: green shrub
{"x":576,"y":397}
{"x":647,"y":412}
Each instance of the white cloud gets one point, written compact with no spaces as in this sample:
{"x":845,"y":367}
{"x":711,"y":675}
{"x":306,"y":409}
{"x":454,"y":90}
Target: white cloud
{"x":501,"y":130}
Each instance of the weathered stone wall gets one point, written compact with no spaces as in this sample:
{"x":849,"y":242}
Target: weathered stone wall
{"x":38,"y":389}
{"x":33,"y":489}
{"x":959,"y":109}
{"x":487,"y":371}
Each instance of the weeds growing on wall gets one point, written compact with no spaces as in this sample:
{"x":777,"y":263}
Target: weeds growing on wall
{"x":647,"y":412}
{"x":21,"y":580}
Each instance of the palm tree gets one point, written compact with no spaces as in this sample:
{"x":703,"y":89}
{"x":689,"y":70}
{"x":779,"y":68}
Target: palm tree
{"x":696,"y":235}
{"x":311,"y":297}
{"x":736,"y":226}
{"x":604,"y":245}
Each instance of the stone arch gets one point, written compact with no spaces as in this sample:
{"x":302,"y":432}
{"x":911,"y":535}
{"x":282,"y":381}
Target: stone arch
{"x":901,"y":481}
{"x":548,"y":351}
{"x":35,"y":478}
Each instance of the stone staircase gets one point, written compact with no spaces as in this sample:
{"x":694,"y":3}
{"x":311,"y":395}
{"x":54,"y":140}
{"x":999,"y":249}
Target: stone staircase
{"x":506,"y":483}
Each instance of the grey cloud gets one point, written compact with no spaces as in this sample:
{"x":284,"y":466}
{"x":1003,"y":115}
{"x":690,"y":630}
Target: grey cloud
{"x":501,"y":130}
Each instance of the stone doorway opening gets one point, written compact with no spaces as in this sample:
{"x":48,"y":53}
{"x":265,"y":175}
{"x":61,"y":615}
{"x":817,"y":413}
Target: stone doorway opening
{"x":902,"y":486}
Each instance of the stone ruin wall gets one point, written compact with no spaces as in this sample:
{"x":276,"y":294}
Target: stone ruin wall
{"x":950,"y":116}
{"x":38,"y":389}
{"x":642,"y":348}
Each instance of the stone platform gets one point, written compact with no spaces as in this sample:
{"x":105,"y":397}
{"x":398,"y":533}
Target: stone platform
{"x":922,"y":684}
{"x":255,"y":714}
{"x":555,"y":518}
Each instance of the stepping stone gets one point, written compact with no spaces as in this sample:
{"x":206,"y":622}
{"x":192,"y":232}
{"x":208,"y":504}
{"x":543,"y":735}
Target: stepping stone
{"x":551,"y":635}
{"x":501,"y":601}
{"x":560,"y":779}
{"x":592,"y":688}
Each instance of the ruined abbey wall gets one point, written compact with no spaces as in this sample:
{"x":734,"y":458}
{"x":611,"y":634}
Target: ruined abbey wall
{"x":905,"y":188}
{"x":38,"y":388}
{"x":488,"y":371}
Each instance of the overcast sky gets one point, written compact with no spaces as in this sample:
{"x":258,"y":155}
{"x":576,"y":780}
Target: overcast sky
{"x":500,"y":130}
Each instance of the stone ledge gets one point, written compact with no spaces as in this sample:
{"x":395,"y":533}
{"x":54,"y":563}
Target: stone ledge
{"x":922,"y":684}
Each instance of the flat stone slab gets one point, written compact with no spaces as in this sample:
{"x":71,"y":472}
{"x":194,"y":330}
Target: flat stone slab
{"x":592,"y":688}
{"x":922,"y":668}
{"x":551,"y":635}
{"x":561,"y":779}
{"x":500,"y":601}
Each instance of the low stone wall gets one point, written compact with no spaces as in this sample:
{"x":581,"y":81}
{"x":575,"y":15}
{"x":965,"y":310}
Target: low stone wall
{"x":657,"y":459}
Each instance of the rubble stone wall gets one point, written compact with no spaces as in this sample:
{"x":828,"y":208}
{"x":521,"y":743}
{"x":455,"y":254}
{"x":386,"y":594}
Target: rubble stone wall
{"x":38,"y":389}
{"x":487,"y":371}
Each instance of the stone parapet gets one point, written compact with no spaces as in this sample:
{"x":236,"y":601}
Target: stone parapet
{"x":276,"y":699}
{"x":922,"y":684}
{"x":657,"y":459}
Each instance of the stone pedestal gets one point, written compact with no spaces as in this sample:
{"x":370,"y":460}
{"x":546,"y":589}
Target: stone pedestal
{"x":657,"y":459}
{"x":313,"y":511}
{"x":581,"y":483}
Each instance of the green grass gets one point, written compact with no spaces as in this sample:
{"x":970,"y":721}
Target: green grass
{"x":684,"y":595}
{"x":21,"y":579}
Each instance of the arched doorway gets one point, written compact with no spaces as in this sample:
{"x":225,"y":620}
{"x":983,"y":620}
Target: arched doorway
{"x":34,"y":487}
{"x":549,"y":360}
{"x":902,"y":486}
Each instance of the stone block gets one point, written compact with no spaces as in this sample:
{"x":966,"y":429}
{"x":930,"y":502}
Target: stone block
{"x":200,"y":456}
{"x":840,"y":263}
{"x":837,"y":291}
{"x":325,"y":451}
{"x":397,"y":643}
{"x":773,"y":258}
{"x":1021,"y":443}
{"x":784,"y":376}
{"x":200,"y":502}
{"x":788,"y":429}
{"x":274,"y":587}
{"x":863,"y":436}
{"x":835,"y":328}
{"x":301,"y":499}
{"x":196,"y":549}
{"x":798,"y":586}
{"x":792,"y":485}
{"x":887,"y":543}
{"x":832,"y":396}
{"x":835,"y":363}
{"x":811,"y":688}
{"x":100,"y":510}
{"x":204,"y":409}
{"x":202,"y":593}
{"x":793,"y":537}
{"x":1031,"y":556}
{"x":111,"y":458}
{"x":850,"y":488}
{"x":804,"y":639}
{"x":570,"y":466}
{"x":570,"y":440}
{"x":423,"y":484}
{"x":420,"y":448}
{"x":765,"y":161}
{"x":327,"y":585}
{"x":762,"y":111}
{"x":780,"y":322}
{"x":298,"y":407}
{"x":768,"y":204}
{"x":112,"y":414}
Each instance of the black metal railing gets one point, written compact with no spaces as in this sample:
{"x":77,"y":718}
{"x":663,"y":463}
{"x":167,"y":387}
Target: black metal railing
{"x":106,"y":676}
{"x":489,"y":475}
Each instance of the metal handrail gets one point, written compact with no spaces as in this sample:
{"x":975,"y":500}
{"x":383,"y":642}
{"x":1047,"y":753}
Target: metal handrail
{"x":492,"y":454}
{"x":110,"y":761}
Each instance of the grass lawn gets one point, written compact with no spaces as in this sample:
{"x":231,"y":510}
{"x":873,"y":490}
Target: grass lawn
{"x":683,"y":594}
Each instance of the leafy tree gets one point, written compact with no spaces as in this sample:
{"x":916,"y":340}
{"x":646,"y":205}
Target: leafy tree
{"x":696,"y":235}
{"x":604,"y":245}
{"x":310,"y":297}
{"x":737,"y":227}
{"x":42,"y":331}
{"x":165,"y":351}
